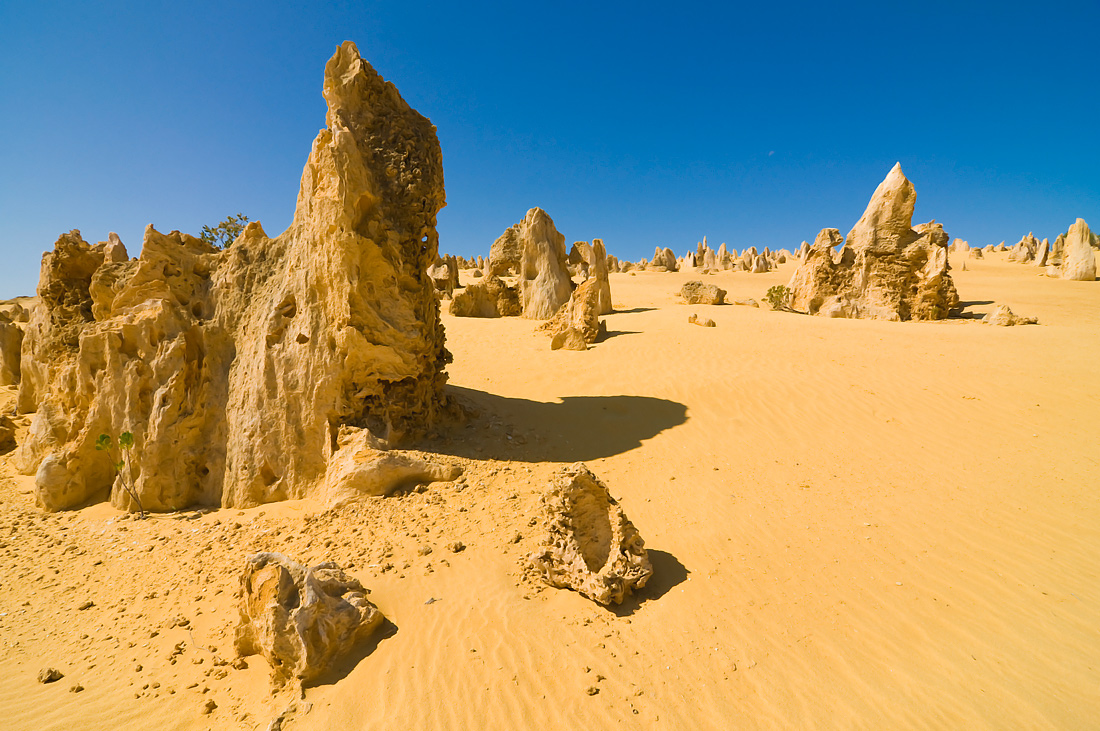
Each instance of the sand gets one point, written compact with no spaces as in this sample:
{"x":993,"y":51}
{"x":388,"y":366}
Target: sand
{"x":853,"y":524}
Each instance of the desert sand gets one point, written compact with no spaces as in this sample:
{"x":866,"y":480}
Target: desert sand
{"x":852,"y":523}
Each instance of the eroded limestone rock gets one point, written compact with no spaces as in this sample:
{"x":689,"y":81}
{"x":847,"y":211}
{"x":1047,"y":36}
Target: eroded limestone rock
{"x":491,"y":297}
{"x":234,"y":369}
{"x":1005,"y":317}
{"x":579,"y":315}
{"x":697,"y":293}
{"x":701,"y":321}
{"x":589,"y":544}
{"x":887,"y":269}
{"x":301,"y":618}
{"x":11,"y":346}
{"x":544,"y":280}
{"x":665,"y":258}
{"x":1078,"y":258}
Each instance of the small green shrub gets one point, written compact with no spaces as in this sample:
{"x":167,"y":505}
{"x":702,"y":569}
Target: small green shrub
{"x":779,"y":297}
{"x":125,"y":443}
{"x":226,"y":232}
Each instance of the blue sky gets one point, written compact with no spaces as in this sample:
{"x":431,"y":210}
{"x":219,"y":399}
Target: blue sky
{"x":643,"y":124}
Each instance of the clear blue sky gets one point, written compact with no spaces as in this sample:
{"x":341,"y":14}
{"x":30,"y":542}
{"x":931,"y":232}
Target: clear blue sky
{"x":642,"y":124}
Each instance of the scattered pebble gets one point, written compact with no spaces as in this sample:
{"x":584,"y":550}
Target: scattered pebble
{"x":456,"y":547}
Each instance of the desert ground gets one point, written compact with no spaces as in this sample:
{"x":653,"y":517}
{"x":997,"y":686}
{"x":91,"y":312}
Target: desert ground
{"x":853,"y":524}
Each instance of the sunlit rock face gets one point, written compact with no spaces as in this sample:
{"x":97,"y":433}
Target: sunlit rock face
{"x":887,"y":270}
{"x":236,"y":369}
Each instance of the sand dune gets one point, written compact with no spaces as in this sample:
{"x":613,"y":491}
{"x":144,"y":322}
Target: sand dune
{"x":854,"y":524}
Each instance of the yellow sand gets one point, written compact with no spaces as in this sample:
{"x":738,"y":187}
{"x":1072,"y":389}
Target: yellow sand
{"x":854,"y":524}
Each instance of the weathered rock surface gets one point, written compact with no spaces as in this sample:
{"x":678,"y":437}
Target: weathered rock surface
{"x":697,"y":293}
{"x":568,"y":339}
{"x":590,"y":545}
{"x":7,"y":434}
{"x":444,"y":275}
{"x":11,"y":346}
{"x":491,"y":297}
{"x":665,"y":258}
{"x":362,"y":466}
{"x":595,"y":259}
{"x":544,"y":281}
{"x":301,"y":618}
{"x":579,"y":315}
{"x":1078,"y":258}
{"x":1005,"y":317}
{"x":234,"y":369}
{"x":887,"y":269}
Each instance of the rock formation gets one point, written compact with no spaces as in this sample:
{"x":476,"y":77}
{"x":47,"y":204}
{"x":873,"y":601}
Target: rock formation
{"x":544,"y":281}
{"x":976,"y":253}
{"x":1005,"y":317}
{"x":490,"y":297}
{"x":578,"y":316}
{"x":235,"y":369}
{"x":665,"y":258}
{"x":697,"y":293}
{"x":11,"y":345}
{"x":701,"y":321}
{"x":594,"y":256}
{"x":444,"y":275}
{"x":1078,"y":258}
{"x":505,"y":254}
{"x":760,"y":265}
{"x":887,"y":269}
{"x":590,"y":545}
{"x":301,"y":618}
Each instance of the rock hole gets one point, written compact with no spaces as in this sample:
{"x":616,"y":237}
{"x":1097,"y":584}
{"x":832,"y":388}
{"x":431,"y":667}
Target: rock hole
{"x":302,"y":338}
{"x":196,"y":310}
{"x":592,"y":528}
{"x":288,"y":308}
{"x":268,"y":475}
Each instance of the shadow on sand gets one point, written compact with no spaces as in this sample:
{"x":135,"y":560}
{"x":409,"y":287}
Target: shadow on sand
{"x":344,"y":664}
{"x":668,"y":572}
{"x":577,"y":429}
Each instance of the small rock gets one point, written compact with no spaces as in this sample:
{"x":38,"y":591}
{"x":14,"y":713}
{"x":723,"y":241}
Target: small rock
{"x":701,"y":321}
{"x":209,"y":707}
{"x":456,"y":547}
{"x":88,"y":604}
{"x":76,"y":688}
{"x":424,"y":550}
{"x":591,"y":690}
{"x":49,"y":675}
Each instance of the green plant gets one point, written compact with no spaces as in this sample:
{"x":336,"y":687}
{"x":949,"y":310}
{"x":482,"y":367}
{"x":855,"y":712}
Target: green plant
{"x":125,"y":443}
{"x":779,"y":297}
{"x":226,"y":232}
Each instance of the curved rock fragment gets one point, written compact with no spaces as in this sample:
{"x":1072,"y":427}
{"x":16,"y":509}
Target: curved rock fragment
{"x":590,"y":545}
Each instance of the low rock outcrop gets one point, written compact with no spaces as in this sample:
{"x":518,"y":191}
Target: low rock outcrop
{"x":1005,"y":317}
{"x":697,"y":293}
{"x":235,"y":369}
{"x":580,"y":315}
{"x":589,"y":545}
{"x":887,"y":269}
{"x":301,"y":618}
{"x":491,"y":297}
{"x":362,"y":466}
{"x":701,"y":321}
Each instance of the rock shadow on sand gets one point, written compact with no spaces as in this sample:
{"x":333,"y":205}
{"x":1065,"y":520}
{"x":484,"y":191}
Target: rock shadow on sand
{"x":575,"y":429}
{"x":344,"y":664}
{"x":668,"y":573}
